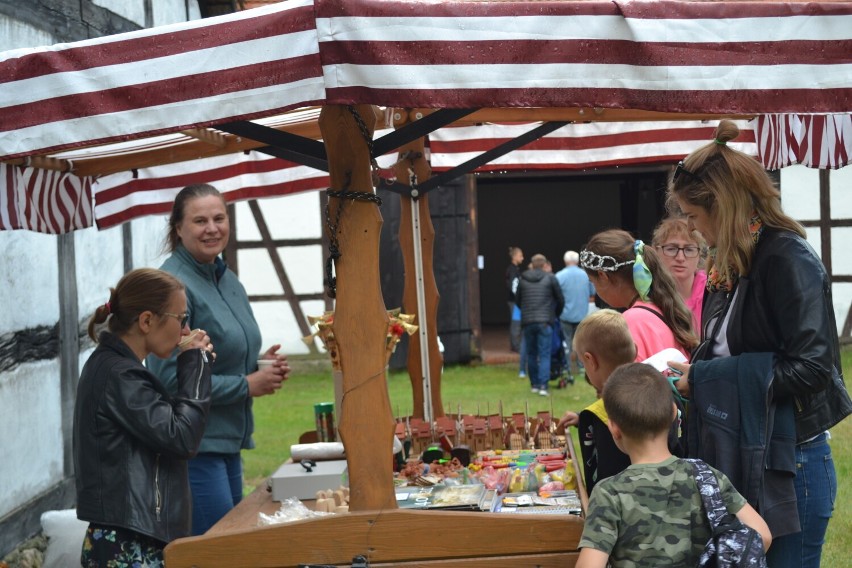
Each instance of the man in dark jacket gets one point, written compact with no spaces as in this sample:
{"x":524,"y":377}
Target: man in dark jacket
{"x":540,"y":299}
{"x":513,"y":274}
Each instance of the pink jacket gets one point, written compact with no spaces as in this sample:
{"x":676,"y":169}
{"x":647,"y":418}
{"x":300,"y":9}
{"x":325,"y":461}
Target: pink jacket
{"x":649,"y":331}
{"x":697,"y":299}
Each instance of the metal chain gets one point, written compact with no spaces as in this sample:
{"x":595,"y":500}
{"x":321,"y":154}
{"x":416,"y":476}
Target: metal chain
{"x":362,"y":126}
{"x":368,"y":139}
{"x":333,"y":242}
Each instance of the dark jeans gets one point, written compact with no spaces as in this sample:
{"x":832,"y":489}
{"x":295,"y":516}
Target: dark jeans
{"x":217,"y":486}
{"x":568,"y":329}
{"x":538,"y":337}
{"x":816,"y":489}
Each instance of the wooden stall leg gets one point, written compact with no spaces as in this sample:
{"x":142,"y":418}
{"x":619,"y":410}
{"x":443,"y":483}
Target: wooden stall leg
{"x":365,"y":425}
{"x":412,"y":166}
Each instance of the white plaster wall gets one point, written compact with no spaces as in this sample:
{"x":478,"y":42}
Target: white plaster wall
{"x":31,"y":454}
{"x":800,"y":192}
{"x":800,"y":199}
{"x":841,"y":193}
{"x":32,"y":450}
{"x":149,"y":234}
{"x":29,"y":287}
{"x":290,"y":217}
{"x":165,"y":11}
{"x":100,"y":264}
{"x":294,"y":216}
{"x":14,"y":34}
{"x":31,"y":447}
{"x":133,"y":10}
{"x":30,"y":433}
{"x":173,"y":11}
{"x":100,"y":259}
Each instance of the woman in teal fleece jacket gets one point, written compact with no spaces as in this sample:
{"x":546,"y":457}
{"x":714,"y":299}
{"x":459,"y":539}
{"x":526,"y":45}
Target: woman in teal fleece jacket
{"x":217,"y":302}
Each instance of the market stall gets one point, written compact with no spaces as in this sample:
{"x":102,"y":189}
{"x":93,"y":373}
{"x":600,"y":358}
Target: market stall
{"x":593,"y":61}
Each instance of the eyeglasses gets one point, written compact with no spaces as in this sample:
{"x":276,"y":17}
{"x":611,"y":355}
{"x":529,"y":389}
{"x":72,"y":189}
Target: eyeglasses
{"x":680,"y":169}
{"x":182,"y":318}
{"x":689,"y":251}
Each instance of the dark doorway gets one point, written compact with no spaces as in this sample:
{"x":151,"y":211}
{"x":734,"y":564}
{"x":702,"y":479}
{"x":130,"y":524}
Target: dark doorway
{"x":450,"y":210}
{"x":554,"y":213}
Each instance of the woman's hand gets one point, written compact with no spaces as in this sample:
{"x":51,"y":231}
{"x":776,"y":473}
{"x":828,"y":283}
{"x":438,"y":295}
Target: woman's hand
{"x":267,"y":379}
{"x":682,"y":384}
{"x":197,"y":339}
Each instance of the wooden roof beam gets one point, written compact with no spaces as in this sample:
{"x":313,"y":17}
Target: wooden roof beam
{"x":220,"y":144}
{"x":190,"y":150}
{"x":581,"y":114}
{"x":206,"y":135}
{"x":44,"y":163}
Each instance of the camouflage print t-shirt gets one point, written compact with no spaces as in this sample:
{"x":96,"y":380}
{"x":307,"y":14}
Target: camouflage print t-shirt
{"x":651,"y":515}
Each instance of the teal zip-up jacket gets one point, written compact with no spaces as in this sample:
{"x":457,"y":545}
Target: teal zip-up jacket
{"x":217,"y":303}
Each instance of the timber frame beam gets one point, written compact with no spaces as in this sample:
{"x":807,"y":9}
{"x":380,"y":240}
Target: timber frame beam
{"x":299,"y":140}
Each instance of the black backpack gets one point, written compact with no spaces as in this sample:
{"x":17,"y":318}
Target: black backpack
{"x":732,"y":544}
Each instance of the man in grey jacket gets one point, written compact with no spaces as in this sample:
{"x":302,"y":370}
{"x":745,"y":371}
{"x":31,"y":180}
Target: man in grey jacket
{"x":540,"y":299}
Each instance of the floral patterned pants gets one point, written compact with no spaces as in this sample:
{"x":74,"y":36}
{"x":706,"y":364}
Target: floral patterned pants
{"x":110,"y":547}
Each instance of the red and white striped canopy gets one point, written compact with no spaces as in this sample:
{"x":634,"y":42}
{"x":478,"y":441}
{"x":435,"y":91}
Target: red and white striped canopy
{"x":701,"y":57}
{"x":125,"y":196}
{"x":816,"y":141}
{"x":706,"y":57}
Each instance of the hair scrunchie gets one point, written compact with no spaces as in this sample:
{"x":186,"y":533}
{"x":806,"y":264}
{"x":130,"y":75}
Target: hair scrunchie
{"x":641,"y":273}
{"x":108,"y":308}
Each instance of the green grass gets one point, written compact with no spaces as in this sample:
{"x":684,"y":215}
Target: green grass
{"x":280,"y":419}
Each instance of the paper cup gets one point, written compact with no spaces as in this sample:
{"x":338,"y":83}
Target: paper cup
{"x":186,"y":340}
{"x":264,"y":363}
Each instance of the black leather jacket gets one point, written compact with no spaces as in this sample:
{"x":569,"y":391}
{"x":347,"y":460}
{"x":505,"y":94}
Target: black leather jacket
{"x":132,"y":440}
{"x":784,"y":307}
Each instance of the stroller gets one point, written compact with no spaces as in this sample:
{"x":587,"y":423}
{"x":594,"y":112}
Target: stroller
{"x":559,"y":368}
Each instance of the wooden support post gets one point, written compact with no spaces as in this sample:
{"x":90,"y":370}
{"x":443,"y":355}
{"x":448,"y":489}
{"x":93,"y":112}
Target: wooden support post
{"x":413,"y":162}
{"x":365,"y":424}
{"x":825,"y":220}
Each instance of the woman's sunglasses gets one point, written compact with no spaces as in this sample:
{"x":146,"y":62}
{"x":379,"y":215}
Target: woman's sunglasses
{"x":182,"y":318}
{"x":680,"y":169}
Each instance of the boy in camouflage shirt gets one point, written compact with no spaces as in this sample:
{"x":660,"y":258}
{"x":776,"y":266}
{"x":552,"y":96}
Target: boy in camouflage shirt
{"x":651,"y":513}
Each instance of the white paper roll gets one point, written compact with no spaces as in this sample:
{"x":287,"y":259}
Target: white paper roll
{"x":317,"y":451}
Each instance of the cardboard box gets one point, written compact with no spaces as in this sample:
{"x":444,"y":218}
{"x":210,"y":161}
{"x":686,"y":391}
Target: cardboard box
{"x":293,"y":480}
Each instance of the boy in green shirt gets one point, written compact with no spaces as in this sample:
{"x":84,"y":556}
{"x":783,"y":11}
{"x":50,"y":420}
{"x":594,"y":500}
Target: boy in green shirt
{"x":650,"y":514}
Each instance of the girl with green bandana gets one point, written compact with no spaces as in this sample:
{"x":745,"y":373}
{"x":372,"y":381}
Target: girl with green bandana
{"x":629,"y":276}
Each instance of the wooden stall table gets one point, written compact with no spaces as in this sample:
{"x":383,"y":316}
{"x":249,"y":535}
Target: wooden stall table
{"x":244,"y":515}
{"x":395,"y":537}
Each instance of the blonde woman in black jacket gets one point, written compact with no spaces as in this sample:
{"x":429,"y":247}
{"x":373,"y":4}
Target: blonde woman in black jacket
{"x":131,"y":438}
{"x":768,"y":292}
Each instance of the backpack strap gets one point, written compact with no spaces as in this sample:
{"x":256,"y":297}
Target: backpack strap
{"x":655,"y":312}
{"x":711,"y":496}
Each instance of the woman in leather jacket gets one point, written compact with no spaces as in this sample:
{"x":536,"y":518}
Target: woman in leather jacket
{"x":131,"y":438}
{"x":768,"y":292}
